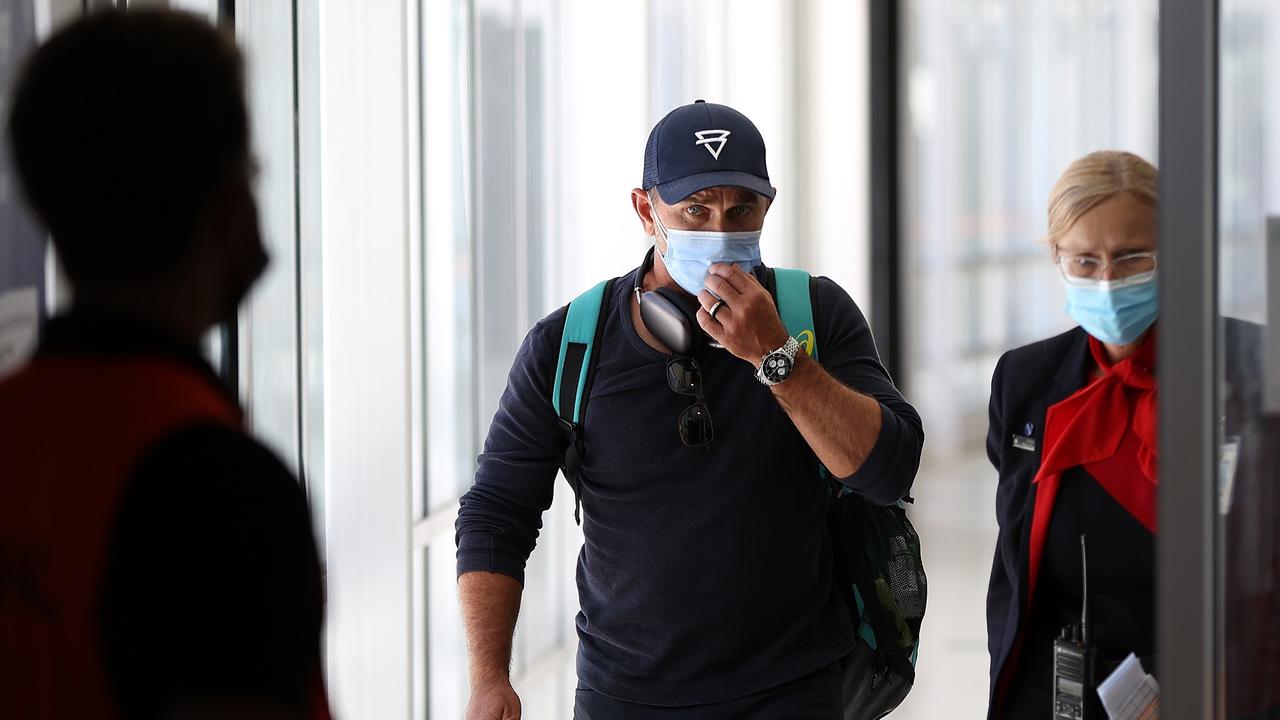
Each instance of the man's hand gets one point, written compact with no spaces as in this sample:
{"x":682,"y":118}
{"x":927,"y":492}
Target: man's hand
{"x":840,"y":424}
{"x":747,"y":323}
{"x":494,"y":700}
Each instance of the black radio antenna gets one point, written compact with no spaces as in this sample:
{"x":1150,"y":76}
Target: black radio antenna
{"x":1084,"y":610}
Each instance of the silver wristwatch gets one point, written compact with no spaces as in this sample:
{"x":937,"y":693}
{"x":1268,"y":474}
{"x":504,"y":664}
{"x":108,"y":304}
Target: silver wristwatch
{"x":777,"y":365}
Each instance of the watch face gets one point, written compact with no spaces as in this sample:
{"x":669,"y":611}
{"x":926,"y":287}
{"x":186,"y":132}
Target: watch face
{"x":777,"y":367}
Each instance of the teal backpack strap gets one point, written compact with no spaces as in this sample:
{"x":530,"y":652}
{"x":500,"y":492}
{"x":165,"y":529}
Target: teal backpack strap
{"x":795,"y":306}
{"x":575,"y":369}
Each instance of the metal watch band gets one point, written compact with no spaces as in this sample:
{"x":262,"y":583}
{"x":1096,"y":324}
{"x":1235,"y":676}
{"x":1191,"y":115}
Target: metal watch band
{"x":789,"y":348}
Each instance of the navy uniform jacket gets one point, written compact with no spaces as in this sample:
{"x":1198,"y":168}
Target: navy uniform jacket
{"x":1029,"y":380}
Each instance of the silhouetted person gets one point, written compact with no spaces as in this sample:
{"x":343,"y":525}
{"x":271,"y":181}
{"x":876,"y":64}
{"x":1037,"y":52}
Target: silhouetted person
{"x":154,"y":560}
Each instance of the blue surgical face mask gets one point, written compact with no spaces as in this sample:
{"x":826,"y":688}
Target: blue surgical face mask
{"x":1115,"y":312}
{"x":691,"y":253}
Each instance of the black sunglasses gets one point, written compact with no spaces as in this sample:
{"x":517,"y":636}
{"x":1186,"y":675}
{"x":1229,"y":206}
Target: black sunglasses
{"x":684,"y":377}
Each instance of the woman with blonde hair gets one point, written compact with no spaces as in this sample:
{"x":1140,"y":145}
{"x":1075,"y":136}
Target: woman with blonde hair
{"x":1073,"y":438}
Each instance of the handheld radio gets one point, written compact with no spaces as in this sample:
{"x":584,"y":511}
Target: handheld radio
{"x":1075,"y":687}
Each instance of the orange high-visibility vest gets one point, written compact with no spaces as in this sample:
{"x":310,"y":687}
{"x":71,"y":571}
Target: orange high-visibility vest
{"x":72,"y":430}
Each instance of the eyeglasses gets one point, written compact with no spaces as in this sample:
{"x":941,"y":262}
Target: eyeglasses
{"x":685,"y":378}
{"x":1084,"y":268}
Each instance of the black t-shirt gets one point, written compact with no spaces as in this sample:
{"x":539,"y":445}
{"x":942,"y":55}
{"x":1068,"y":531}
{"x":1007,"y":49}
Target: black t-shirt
{"x":705,"y":574}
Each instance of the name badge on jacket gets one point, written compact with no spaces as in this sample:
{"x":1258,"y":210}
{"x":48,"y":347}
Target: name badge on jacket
{"x":1025,"y":441}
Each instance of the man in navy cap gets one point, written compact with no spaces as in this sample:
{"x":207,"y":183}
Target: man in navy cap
{"x":705,"y":581}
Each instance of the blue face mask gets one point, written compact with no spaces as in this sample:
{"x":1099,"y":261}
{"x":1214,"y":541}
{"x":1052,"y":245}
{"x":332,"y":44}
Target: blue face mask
{"x":1116,"y":312}
{"x":690,"y":253}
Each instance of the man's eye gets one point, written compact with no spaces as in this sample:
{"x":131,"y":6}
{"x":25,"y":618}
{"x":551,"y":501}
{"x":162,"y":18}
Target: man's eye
{"x":694,"y":210}
{"x":740,"y":210}
{"x":1084,"y":261}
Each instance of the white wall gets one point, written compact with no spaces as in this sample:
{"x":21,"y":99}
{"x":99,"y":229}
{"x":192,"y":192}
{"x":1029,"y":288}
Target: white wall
{"x":364,"y":210}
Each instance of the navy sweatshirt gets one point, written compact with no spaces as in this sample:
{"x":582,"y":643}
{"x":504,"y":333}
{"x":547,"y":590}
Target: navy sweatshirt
{"x":705,"y":574}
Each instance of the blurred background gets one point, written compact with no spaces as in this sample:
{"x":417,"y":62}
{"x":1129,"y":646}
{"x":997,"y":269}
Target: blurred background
{"x":437,"y":175}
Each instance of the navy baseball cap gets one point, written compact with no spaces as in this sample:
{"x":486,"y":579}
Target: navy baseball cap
{"x":704,"y":145}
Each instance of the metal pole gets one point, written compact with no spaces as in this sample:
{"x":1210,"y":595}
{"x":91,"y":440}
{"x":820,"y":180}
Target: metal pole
{"x":886,"y":269}
{"x":1189,"y":607}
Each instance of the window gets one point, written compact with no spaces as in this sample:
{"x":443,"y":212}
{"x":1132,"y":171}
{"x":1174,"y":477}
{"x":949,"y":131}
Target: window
{"x":23,"y":288}
{"x":270,"y":341}
{"x":446,"y":370}
{"x":1002,"y":96}
{"x":999,"y":97}
{"x":534,"y":121}
{"x":1249,"y":376}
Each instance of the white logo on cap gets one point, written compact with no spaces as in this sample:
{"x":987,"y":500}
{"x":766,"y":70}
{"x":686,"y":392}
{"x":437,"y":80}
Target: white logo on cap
{"x":707,"y":137}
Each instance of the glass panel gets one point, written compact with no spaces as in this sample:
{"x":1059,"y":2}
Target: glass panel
{"x":449,"y":364}
{"x":207,"y":8}
{"x":421,"y":626}
{"x":310,"y":259}
{"x":600,"y":128}
{"x":22,"y":246}
{"x":446,"y":656}
{"x":1249,"y":298}
{"x":999,"y":96}
{"x":269,"y":320}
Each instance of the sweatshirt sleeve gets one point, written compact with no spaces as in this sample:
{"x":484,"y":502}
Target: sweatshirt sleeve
{"x":500,"y":516}
{"x":848,"y":352}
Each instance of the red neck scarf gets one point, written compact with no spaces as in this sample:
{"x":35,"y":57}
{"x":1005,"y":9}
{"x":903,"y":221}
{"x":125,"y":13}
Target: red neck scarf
{"x":1109,"y":428}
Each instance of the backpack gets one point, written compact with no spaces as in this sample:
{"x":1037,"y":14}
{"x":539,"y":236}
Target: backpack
{"x":877,"y":563}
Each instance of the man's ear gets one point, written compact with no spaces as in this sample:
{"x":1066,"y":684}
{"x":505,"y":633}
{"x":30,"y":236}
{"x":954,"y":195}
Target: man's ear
{"x":644,"y":211}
